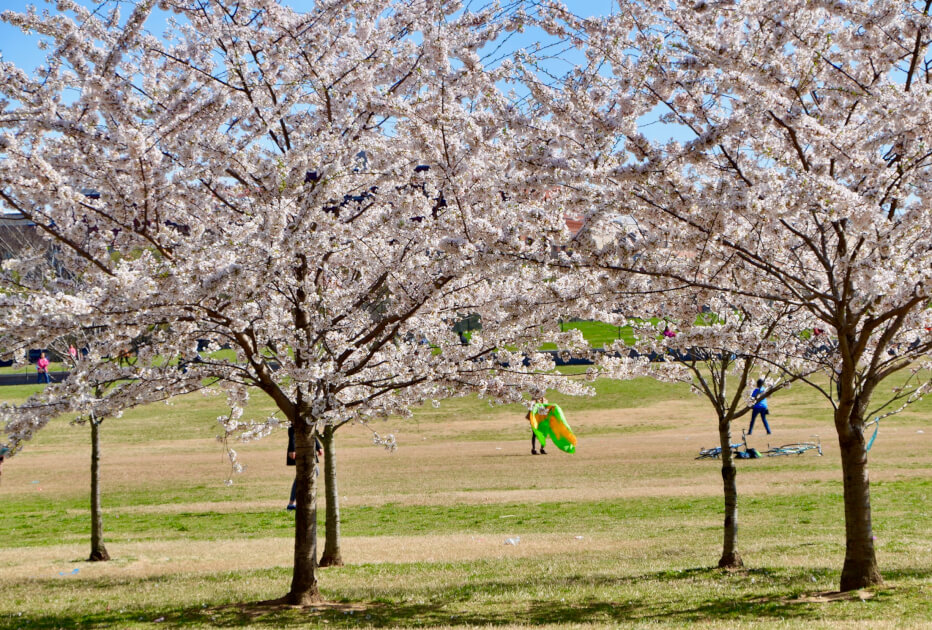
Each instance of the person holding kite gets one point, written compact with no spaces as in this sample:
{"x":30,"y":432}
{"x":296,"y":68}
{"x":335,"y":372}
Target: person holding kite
{"x":540,"y":403}
{"x":547,"y":421}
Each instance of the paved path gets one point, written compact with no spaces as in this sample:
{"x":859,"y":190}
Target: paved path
{"x":29,"y":378}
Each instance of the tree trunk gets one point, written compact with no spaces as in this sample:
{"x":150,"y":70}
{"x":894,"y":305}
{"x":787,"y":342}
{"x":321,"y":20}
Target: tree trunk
{"x":98,"y":550}
{"x":304,"y":589}
{"x":860,"y":569}
{"x":332,"y":556}
{"x":730,"y":558}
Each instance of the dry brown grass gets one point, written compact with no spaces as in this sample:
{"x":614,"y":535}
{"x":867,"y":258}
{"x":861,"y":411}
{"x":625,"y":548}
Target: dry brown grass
{"x":157,"y":558}
{"x":619,"y":456}
{"x":623,"y":454}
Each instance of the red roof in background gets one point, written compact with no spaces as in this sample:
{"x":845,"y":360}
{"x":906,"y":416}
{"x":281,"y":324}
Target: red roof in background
{"x":573,"y":224}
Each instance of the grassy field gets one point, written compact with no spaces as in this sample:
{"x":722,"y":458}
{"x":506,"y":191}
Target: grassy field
{"x":624,"y":533}
{"x":598,"y":334}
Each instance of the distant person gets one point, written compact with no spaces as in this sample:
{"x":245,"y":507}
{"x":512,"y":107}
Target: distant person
{"x":73,"y":352}
{"x":760,"y":407}
{"x":669,"y":334}
{"x":538,"y":408}
{"x":291,"y":460}
{"x":3,"y":451}
{"x":42,"y":367}
{"x":124,"y":356}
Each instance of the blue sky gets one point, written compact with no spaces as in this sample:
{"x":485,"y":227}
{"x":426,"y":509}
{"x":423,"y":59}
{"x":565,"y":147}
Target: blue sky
{"x":22,"y":49}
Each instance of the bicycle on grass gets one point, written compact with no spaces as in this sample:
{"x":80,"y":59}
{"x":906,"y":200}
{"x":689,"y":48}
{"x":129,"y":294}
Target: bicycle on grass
{"x":796,"y":448}
{"x":739,"y":450}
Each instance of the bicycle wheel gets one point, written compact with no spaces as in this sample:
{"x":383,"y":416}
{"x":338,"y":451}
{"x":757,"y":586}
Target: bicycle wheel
{"x":797,"y":448}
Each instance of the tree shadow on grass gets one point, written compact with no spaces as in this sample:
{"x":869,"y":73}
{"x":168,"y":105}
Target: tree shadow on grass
{"x":445,"y":605}
{"x":389,"y":615}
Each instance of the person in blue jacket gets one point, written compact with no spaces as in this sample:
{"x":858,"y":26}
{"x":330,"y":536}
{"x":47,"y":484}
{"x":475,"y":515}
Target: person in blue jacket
{"x":760,"y":407}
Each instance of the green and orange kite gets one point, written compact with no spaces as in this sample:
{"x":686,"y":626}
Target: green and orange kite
{"x":548,"y":421}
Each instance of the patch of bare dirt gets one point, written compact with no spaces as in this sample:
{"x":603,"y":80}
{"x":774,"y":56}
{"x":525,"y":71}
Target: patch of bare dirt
{"x":153,"y":558}
{"x":824,"y":597}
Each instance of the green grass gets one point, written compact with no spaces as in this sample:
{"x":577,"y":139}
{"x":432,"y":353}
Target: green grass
{"x":610,"y":394}
{"x":32,"y":522}
{"x":163,"y":485}
{"x":666,"y":579}
{"x":18,"y":393}
{"x":35,"y":521}
{"x":600,"y":334}
{"x":563,"y":590}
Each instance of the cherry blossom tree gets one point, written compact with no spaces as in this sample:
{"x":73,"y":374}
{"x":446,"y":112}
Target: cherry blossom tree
{"x":31,"y":269}
{"x":722,"y":351}
{"x":89,"y":395}
{"x":324,"y":194}
{"x":717,"y":341}
{"x":790,"y":150}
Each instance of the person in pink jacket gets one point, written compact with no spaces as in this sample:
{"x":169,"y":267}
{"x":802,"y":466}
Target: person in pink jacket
{"x":42,"y":366}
